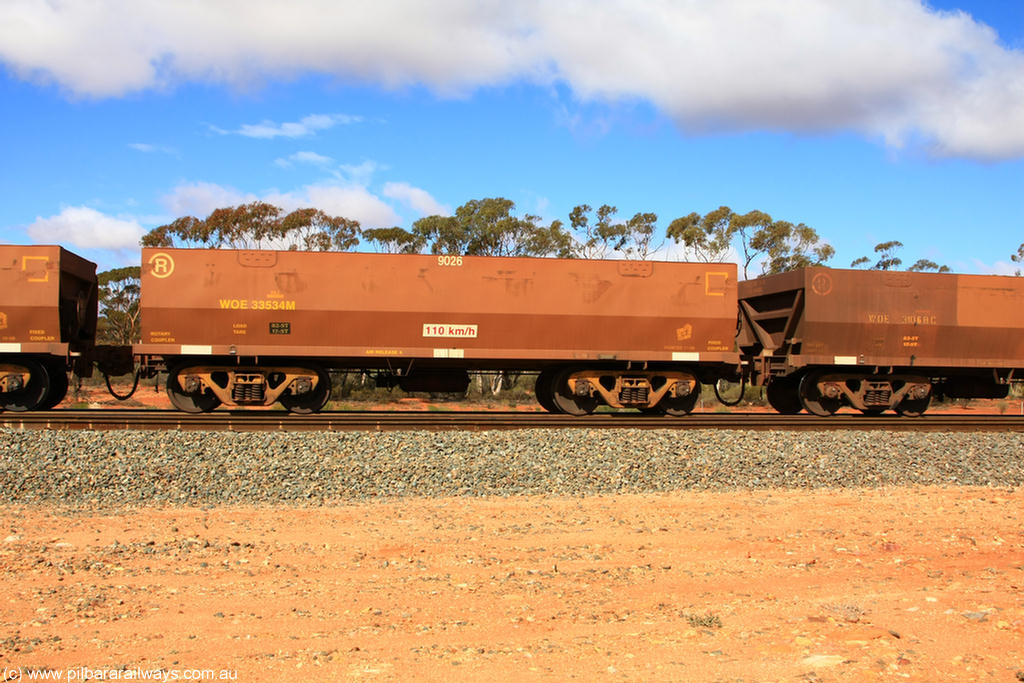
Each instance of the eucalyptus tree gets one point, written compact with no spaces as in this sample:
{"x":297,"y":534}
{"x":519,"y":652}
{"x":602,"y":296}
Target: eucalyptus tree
{"x":488,"y":227}
{"x":394,"y":240}
{"x":788,"y":247}
{"x":707,"y":238}
{"x":927,"y":265}
{"x":885,"y":253}
{"x":119,"y":291}
{"x":779,"y":245}
{"x":258,"y":225}
{"x":595,"y":234}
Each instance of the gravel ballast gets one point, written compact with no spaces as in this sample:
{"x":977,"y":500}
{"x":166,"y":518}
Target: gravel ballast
{"x":116,"y":468}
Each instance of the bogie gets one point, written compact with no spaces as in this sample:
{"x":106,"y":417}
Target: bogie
{"x":203,"y":387}
{"x":579,"y":391}
{"x":822,"y":391}
{"x":24,"y":385}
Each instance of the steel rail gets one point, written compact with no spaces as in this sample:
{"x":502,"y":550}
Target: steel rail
{"x":273,"y":420}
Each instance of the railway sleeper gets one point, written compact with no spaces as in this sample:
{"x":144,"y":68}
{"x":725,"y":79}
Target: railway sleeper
{"x":247,"y":386}
{"x":873,"y":393}
{"x":644,"y":390}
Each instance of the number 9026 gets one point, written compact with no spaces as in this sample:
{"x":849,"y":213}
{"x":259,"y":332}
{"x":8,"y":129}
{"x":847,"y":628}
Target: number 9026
{"x":449,"y":260}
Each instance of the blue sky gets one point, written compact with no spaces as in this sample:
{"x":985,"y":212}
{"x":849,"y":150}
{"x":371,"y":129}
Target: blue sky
{"x":869,"y":121}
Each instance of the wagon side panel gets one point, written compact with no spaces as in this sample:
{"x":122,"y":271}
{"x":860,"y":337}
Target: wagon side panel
{"x":425,"y":306}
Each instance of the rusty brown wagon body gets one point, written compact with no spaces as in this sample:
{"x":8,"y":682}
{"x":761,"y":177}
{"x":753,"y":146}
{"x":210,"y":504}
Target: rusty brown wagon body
{"x":48,"y":300}
{"x":875,"y":340}
{"x":248,"y":327}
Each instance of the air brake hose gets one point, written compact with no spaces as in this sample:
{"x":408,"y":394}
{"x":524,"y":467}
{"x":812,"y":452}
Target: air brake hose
{"x":743,"y":388}
{"x":135,"y":385}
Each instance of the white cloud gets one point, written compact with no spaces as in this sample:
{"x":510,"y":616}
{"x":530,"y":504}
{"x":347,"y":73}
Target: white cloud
{"x":997,"y":268}
{"x":416,"y":198}
{"x":890,"y":69}
{"x":359,"y":174}
{"x":311,"y":158}
{"x":893,"y":70}
{"x":351,"y":201}
{"x":147,"y":148}
{"x":84,"y":227}
{"x":199,"y":199}
{"x":340,"y":198}
{"x":308,"y":125}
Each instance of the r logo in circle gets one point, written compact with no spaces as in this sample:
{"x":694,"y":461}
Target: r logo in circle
{"x":162,"y":264}
{"x":821,"y":284}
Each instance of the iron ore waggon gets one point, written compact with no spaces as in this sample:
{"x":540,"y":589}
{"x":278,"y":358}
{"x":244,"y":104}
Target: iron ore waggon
{"x":251,"y":328}
{"x":820,"y":338}
{"x":48,"y":300}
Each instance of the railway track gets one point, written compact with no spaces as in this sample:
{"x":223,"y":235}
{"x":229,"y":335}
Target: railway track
{"x":245,"y":421}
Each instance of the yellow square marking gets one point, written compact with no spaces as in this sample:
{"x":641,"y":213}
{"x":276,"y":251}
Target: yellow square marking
{"x":44,"y":259}
{"x":715,"y":283}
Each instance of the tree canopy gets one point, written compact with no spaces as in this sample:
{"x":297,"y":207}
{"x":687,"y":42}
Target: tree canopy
{"x":885,"y":252}
{"x":258,"y":225}
{"x":487,"y":227}
{"x":708,"y":237}
{"x":491,"y":226}
{"x":789,"y":247}
{"x":394,"y":240}
{"x":119,"y":291}
{"x":923,"y":265}
{"x":781,"y":245}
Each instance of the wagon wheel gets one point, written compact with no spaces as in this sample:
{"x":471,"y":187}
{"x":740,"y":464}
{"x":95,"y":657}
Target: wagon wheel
{"x":197,"y":402}
{"x":543,"y":390}
{"x":783,"y":394}
{"x":311,"y":401}
{"x":566,"y":401}
{"x":59,"y":385}
{"x":913,"y":407}
{"x":813,"y":401}
{"x":32,"y":396}
{"x":677,"y":406}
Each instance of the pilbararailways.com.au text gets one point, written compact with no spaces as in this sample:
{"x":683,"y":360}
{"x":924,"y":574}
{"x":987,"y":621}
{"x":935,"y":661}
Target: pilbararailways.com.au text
{"x":86,"y":673}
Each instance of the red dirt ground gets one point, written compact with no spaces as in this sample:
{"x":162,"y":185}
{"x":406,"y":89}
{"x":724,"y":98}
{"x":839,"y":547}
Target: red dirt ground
{"x":849,"y":585}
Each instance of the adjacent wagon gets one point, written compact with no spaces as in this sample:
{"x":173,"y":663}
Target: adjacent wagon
{"x":820,"y":338}
{"x":48,"y":300}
